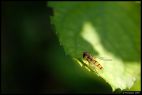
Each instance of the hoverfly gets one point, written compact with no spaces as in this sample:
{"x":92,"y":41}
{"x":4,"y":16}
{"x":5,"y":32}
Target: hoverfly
{"x":91,"y":59}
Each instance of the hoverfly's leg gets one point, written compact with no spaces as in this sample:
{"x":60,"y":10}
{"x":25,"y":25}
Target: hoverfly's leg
{"x":97,"y":72}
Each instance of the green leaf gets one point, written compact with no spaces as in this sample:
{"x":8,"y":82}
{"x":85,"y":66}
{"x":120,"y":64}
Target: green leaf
{"x":109,"y":31}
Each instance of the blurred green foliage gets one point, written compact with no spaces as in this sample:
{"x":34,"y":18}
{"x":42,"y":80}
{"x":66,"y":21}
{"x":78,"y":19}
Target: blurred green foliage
{"x":104,"y":29}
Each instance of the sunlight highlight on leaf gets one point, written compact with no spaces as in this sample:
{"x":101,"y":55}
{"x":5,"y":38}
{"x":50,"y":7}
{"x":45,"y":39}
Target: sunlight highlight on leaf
{"x":114,"y":71}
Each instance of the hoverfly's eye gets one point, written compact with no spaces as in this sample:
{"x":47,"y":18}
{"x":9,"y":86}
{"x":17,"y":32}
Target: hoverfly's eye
{"x":85,"y":54}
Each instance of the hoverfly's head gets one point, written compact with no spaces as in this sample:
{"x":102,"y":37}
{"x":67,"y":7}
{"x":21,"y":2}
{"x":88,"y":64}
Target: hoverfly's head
{"x":85,"y":54}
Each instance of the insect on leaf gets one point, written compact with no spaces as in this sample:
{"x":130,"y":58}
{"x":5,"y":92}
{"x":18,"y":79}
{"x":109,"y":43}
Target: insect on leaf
{"x":103,"y":29}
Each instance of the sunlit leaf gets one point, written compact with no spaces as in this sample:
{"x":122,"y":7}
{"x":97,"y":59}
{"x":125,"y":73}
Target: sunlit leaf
{"x":109,"y":31}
